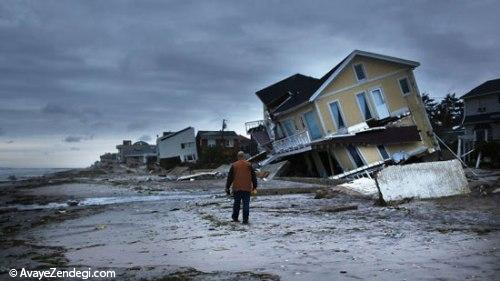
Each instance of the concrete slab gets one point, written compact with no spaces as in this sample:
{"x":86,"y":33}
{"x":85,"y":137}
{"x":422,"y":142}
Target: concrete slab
{"x":422,"y":180}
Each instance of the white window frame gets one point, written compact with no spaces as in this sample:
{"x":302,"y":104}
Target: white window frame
{"x":341,"y":114}
{"x":368,"y":102}
{"x":364,"y":71}
{"x":379,"y":87}
{"x":407,"y":82}
{"x":363,"y":158}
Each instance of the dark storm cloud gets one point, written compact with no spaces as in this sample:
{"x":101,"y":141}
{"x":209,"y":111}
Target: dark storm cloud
{"x":78,"y":138}
{"x":76,"y":68}
{"x":73,"y":139}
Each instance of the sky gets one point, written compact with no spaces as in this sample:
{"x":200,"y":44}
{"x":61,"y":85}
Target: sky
{"x":78,"y":77}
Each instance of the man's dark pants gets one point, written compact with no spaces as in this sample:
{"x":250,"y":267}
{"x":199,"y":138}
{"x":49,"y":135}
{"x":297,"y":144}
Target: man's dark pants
{"x":238,"y":197}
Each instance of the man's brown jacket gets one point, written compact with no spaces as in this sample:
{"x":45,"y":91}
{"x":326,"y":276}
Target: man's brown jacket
{"x":241,"y":176}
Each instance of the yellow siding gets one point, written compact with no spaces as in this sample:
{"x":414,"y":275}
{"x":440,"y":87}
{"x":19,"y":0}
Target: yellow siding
{"x":342,"y":157}
{"x":370,"y":153}
{"x":350,"y":109}
{"x":373,"y":69}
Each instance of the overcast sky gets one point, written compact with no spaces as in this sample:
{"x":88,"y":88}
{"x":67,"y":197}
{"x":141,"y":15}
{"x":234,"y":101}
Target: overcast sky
{"x":77,"y":77}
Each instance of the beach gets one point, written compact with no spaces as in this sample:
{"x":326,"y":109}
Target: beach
{"x":148,"y":227}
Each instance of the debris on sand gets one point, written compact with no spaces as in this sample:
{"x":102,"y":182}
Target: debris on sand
{"x":365,"y":186}
{"x":336,"y":209}
{"x":201,"y":176}
{"x":326,"y":193}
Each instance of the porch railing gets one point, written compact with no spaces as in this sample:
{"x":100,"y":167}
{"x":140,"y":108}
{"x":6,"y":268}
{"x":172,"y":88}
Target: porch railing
{"x":292,"y":143}
{"x":254,"y":124}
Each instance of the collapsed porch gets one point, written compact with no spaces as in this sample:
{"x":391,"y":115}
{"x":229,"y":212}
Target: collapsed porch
{"x":318,"y":158}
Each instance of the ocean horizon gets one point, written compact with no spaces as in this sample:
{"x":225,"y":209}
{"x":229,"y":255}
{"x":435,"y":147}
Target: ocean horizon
{"x":24,"y":173}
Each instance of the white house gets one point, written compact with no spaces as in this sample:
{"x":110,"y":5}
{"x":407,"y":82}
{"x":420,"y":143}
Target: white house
{"x":175,"y":147}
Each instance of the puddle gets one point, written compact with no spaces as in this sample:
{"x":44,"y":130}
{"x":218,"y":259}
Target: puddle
{"x":98,"y":201}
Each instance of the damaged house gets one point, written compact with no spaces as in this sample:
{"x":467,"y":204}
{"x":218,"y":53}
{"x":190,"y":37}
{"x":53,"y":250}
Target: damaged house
{"x":177,"y":147}
{"x":365,"y":111}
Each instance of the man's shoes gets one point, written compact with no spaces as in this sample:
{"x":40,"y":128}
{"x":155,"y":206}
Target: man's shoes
{"x":245,"y":222}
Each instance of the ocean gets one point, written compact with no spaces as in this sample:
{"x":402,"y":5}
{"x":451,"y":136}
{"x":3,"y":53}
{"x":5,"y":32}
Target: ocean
{"x":23,"y":173}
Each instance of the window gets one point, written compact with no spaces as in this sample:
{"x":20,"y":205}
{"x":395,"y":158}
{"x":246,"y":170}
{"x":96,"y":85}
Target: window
{"x":289,"y":127}
{"x":312,"y":125}
{"x":383,"y":152}
{"x":360,"y":72}
{"x":337,"y":115}
{"x":229,"y":143}
{"x":363,"y":106}
{"x":380,"y":104}
{"x":353,"y":151}
{"x":211,"y":143}
{"x":183,"y":145}
{"x":405,"y":86}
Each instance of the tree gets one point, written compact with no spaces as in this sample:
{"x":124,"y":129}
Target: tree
{"x":449,"y":112}
{"x":430,"y":105}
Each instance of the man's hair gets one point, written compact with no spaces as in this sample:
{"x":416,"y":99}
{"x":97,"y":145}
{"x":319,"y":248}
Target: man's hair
{"x":241,"y":155}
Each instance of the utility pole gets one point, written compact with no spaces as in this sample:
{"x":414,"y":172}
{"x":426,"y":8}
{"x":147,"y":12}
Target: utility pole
{"x":224,"y":126}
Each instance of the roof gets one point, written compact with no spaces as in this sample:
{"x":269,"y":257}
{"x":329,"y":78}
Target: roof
{"x":173,"y":134}
{"x":300,"y":89}
{"x":335,"y":71}
{"x":201,"y":134}
{"x":482,"y":118}
{"x":488,"y":87}
{"x":288,"y":92}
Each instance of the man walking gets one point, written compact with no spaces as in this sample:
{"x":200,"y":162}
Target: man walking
{"x":242,"y":177}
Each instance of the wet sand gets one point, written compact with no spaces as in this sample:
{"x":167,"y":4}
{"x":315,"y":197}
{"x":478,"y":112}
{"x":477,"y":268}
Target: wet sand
{"x":183,"y":229}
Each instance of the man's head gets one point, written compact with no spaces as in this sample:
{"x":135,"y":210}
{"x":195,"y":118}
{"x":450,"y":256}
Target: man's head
{"x":241,"y":155}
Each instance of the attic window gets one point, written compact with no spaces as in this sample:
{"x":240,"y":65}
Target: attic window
{"x":360,"y":72}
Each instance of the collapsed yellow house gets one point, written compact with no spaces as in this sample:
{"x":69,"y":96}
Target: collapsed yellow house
{"x":366,"y":111}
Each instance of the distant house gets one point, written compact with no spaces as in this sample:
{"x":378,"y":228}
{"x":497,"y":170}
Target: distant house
{"x":248,"y":146}
{"x":177,"y":147}
{"x":228,"y":142}
{"x":481,"y":115}
{"x":138,"y":153}
{"x":109,"y":158}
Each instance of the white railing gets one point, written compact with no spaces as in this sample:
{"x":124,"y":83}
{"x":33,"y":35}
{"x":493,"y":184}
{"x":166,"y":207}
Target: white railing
{"x":291,"y":143}
{"x":254,"y":124}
